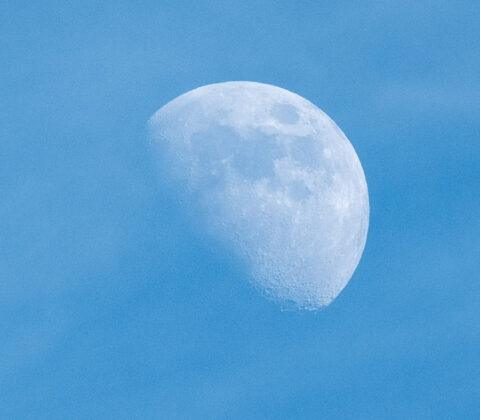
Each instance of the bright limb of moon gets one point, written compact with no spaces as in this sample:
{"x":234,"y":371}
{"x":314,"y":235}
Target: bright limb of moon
{"x":276,"y":178}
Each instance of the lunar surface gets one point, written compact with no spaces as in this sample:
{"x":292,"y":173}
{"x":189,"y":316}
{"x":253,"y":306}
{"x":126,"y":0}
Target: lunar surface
{"x":274,"y":177}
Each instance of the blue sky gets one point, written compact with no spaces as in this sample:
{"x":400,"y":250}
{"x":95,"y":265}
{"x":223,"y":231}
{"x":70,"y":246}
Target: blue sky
{"x":114,"y":304}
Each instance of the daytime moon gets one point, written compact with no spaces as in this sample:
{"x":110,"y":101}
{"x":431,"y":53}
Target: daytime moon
{"x":274,"y":178}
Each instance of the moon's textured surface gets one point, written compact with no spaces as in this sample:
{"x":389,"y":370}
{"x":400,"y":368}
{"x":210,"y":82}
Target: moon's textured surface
{"x":275,"y":177}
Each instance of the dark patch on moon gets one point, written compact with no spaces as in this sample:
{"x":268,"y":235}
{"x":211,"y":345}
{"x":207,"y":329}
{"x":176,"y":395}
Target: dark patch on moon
{"x":305,"y":152}
{"x":285,"y":113}
{"x":254,"y":159}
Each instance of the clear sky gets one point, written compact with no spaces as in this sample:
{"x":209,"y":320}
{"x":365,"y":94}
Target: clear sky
{"x":114,"y":304}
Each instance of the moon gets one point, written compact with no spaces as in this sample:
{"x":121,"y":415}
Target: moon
{"x":274,"y":178}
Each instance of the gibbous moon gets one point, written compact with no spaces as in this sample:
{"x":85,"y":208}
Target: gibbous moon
{"x":274,"y":177}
